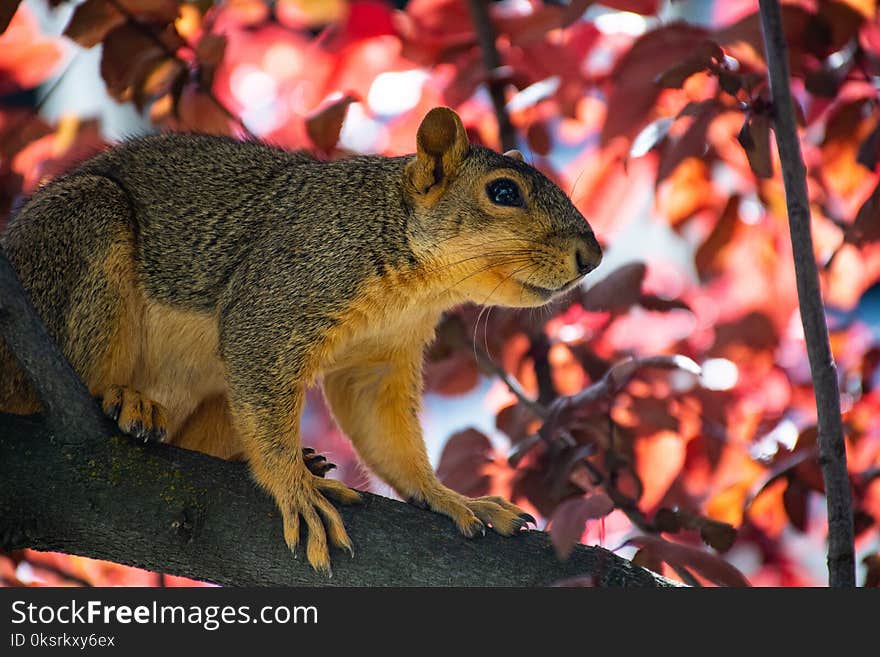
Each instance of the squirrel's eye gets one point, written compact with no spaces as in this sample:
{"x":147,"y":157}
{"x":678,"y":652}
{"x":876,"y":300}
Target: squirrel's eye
{"x":504,"y":191}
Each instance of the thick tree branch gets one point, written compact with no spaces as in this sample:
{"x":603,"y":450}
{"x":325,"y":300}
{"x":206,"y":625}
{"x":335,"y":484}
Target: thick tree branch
{"x":832,"y":452}
{"x":185,"y":513}
{"x":66,"y":399}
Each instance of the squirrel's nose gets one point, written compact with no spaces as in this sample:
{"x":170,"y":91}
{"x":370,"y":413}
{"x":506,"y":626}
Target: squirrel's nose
{"x":587,"y":254}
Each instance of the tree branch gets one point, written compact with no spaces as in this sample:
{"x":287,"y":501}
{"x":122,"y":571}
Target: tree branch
{"x":832,"y":451}
{"x":68,"y":403}
{"x":184,"y":513}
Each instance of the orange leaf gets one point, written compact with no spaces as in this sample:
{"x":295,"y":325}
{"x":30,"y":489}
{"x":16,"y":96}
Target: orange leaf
{"x":707,"y":253}
{"x":324,"y":127}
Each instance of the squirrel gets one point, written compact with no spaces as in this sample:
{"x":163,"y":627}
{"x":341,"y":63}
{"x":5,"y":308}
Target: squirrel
{"x":198,"y":284}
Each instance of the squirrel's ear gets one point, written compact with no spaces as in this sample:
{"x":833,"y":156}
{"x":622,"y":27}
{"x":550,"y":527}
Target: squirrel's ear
{"x":515,"y":154}
{"x":442,"y":145}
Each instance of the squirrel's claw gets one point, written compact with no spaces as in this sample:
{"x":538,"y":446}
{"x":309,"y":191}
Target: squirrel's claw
{"x":309,"y":502}
{"x":135,"y":414}
{"x":317,"y":464}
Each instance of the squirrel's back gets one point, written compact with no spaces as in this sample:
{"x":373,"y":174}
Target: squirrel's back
{"x":196,"y":204}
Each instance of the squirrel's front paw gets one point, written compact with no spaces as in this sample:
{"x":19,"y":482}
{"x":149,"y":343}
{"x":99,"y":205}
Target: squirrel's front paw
{"x":471,"y":515}
{"x":308,"y":501}
{"x":317,"y":464}
{"x":135,"y":414}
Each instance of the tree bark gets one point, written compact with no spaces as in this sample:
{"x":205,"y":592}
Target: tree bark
{"x":184,"y":513}
{"x":65,"y":397}
{"x":832,"y":450}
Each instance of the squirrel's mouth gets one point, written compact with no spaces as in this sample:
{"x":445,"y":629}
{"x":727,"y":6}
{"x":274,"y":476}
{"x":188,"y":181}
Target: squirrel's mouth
{"x":547,"y":293}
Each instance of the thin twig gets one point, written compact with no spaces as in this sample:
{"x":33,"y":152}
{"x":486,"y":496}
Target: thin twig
{"x":832,"y":450}
{"x":486,"y":36}
{"x":540,"y":354}
{"x":614,"y":380}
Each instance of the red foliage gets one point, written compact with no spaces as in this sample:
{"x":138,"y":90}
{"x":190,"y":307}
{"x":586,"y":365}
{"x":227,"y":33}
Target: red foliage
{"x":663,"y":139}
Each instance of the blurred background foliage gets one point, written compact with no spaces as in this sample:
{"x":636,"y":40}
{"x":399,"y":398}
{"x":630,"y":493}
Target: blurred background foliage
{"x":665,"y":408}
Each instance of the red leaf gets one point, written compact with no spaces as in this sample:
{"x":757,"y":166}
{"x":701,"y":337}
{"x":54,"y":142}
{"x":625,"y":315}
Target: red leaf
{"x":704,"y":56}
{"x":461,"y":463}
{"x":7,"y":11}
{"x":716,"y":534}
{"x":649,"y":415}
{"x":539,"y":138}
{"x":646,"y":559}
{"x":26,"y":57}
{"x":513,"y":421}
{"x":692,"y":143}
{"x":455,"y":374}
{"x":662,"y":304}
{"x":93,"y":19}
{"x":210,"y":49}
{"x":866,"y":227}
{"x":129,"y":55}
{"x":707,"y":253}
{"x":365,"y":19}
{"x":755,"y":330}
{"x":618,"y":291}
{"x":711,"y":566}
{"x":633,"y":81}
{"x":872,"y":572}
{"x":197,"y":111}
{"x":643,"y":7}
{"x":324,"y":126}
{"x":651,"y":135}
{"x":795,"y":499}
{"x":754,"y":137}
{"x":570,"y":518}
{"x":745,"y":35}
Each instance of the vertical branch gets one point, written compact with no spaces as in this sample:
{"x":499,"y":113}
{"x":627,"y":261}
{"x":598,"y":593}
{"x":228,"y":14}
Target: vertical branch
{"x":486,"y":37}
{"x":832,"y":452}
{"x":507,"y":136}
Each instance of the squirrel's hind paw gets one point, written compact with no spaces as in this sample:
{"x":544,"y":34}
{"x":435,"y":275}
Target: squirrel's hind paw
{"x":135,"y":414}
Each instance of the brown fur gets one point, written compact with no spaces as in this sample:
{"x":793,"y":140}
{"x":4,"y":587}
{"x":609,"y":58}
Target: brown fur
{"x":198,"y":285}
